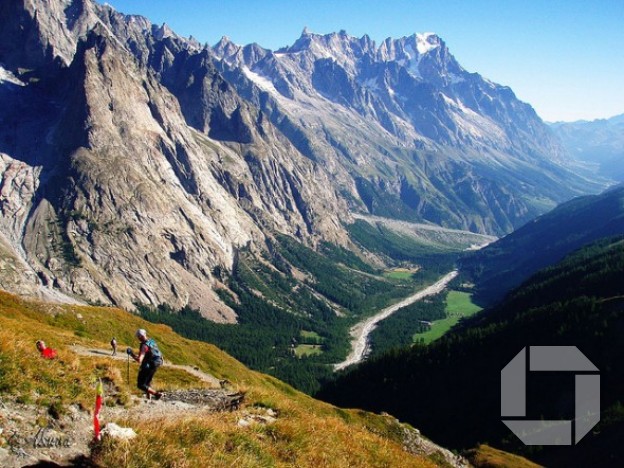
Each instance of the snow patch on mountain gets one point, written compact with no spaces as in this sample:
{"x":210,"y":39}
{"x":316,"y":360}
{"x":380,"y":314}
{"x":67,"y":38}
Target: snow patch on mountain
{"x":453,"y":78}
{"x":7,"y":77}
{"x":470,"y":123}
{"x":426,"y":42}
{"x":413,"y":60}
{"x":262,"y":82}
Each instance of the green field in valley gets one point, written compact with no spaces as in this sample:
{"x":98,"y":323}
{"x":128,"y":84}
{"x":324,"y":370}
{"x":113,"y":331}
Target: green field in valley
{"x":401,"y":273}
{"x":308,"y":350}
{"x":306,"y":334}
{"x":458,"y":306}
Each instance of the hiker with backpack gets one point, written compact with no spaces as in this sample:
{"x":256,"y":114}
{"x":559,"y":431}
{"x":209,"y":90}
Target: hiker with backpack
{"x":150,"y":359}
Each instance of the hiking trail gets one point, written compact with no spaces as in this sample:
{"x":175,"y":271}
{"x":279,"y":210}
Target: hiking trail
{"x":121,"y":356}
{"x":66,"y":441}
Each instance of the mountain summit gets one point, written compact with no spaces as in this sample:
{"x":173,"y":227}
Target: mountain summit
{"x":135,"y":164}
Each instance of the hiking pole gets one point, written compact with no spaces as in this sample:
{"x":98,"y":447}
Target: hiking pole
{"x":128,"y":370}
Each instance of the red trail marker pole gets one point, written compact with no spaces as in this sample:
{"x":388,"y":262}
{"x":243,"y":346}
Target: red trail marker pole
{"x":99,"y":393}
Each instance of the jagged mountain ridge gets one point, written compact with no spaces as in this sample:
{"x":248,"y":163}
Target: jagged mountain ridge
{"x":408,"y":124}
{"x":155,"y":159}
{"x":376,"y":81}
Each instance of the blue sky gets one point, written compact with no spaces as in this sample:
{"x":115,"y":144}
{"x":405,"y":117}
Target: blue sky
{"x":565,"y":58}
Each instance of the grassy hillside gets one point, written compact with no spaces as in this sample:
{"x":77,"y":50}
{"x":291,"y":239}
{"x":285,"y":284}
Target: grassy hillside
{"x":451,"y":388}
{"x":544,"y":241}
{"x":307,"y":432}
{"x":489,"y":457}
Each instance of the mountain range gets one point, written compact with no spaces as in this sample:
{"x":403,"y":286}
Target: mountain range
{"x":136,"y":163}
{"x":598,"y":143}
{"x":418,"y":135}
{"x":289,"y":195}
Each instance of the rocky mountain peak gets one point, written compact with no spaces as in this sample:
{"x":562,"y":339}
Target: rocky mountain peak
{"x":237,"y":55}
{"x":225,"y":41}
{"x":423,"y":55}
{"x":425,"y":42}
{"x":136,"y":21}
{"x":225,"y":49}
{"x":163,"y":32}
{"x":338,"y":46}
{"x":417,"y":44}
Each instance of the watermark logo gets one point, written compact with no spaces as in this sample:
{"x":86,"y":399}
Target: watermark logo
{"x":586,"y":399}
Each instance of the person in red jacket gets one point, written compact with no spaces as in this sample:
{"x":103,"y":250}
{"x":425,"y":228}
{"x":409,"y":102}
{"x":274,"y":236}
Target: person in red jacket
{"x":46,"y":353}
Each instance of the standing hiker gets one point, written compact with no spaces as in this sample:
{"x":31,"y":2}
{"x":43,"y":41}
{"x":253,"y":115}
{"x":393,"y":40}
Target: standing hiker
{"x":149,"y":359}
{"x":114,"y":346}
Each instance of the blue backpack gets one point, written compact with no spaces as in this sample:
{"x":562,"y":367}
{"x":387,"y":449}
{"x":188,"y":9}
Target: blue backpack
{"x":153,"y":354}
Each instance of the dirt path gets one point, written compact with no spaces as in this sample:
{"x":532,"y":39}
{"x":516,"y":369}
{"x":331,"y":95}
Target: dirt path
{"x":361,"y":330}
{"x":120,"y":356}
{"x":65,"y":442}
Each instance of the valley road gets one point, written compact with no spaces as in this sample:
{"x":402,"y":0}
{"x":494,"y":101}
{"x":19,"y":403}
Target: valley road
{"x":361,"y":330}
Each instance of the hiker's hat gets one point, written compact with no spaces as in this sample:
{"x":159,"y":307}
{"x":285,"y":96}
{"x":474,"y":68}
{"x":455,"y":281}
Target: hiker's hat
{"x":141,"y":332}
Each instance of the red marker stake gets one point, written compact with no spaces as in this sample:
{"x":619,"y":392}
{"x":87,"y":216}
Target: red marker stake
{"x":99,"y":392}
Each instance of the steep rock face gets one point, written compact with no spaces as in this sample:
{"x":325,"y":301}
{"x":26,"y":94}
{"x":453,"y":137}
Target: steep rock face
{"x":403,"y":119}
{"x":140,"y":179}
{"x":43,"y":34}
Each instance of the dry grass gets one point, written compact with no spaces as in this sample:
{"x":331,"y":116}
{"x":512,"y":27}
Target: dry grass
{"x":485,"y":456}
{"x":307,"y":432}
{"x":216,"y":440}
